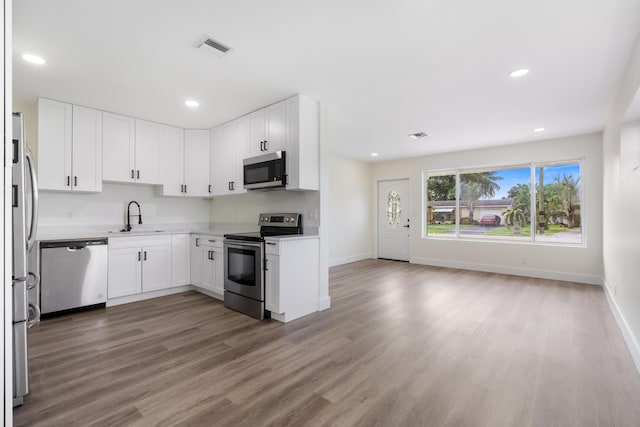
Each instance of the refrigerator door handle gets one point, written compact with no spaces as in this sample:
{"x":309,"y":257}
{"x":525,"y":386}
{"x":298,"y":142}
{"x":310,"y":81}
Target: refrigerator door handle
{"x":35,"y":318}
{"x":31,"y":239}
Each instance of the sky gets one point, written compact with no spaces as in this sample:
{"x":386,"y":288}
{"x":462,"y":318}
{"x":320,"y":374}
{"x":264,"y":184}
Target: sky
{"x":512,"y":177}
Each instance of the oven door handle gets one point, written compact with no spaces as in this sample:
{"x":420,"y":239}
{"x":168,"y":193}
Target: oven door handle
{"x":240,"y":244}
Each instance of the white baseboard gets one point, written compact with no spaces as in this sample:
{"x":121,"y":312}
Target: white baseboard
{"x":632,"y":342}
{"x":148,"y":295}
{"x":324,"y":303}
{"x":516,"y":271}
{"x":346,"y":260}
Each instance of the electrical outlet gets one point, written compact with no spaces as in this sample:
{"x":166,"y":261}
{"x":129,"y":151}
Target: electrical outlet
{"x":313,"y":214}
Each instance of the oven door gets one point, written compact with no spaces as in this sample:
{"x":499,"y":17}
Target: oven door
{"x":243,"y":269}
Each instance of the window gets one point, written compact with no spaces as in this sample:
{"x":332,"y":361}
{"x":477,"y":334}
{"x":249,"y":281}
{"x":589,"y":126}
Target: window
{"x":497,"y":203}
{"x":441,"y":204}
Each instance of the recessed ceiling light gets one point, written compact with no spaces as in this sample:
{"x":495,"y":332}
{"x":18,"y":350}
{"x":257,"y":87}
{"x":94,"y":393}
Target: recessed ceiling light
{"x":192,"y":103}
{"x":34,"y":59}
{"x":519,"y":73}
{"x":539,"y":130}
{"x":374,"y":154}
{"x":417,"y":135}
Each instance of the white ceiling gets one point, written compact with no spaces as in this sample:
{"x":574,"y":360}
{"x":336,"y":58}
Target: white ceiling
{"x":383,"y":69}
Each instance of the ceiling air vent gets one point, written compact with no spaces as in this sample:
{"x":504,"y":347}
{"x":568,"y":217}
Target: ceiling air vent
{"x":211,"y":46}
{"x":417,"y":135}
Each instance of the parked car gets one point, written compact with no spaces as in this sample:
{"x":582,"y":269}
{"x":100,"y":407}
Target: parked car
{"x":490,"y":220}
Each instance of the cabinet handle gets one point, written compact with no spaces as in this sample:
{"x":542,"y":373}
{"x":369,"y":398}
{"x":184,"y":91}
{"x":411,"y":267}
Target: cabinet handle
{"x":145,"y":255}
{"x":212,"y":241}
{"x":233,"y":186}
{"x":262,"y":146}
{"x":229,"y":185}
{"x":271,"y":243}
{"x":75,"y":181}
{"x":185,"y":189}
{"x":138,"y":174}
{"x":68,"y":181}
{"x":266,"y":265}
{"x":213,"y":256}
{"x":266,"y":147}
{"x":209,"y":188}
{"x":132,"y":174}
{"x":197,"y":242}
{"x":139,"y":259}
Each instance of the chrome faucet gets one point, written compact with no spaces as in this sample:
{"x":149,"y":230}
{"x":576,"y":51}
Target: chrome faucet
{"x":128,"y":227}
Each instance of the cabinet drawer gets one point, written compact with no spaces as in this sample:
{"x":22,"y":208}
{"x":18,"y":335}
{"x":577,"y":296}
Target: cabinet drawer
{"x":139,"y":241}
{"x":272,"y":247}
{"x":209,"y":241}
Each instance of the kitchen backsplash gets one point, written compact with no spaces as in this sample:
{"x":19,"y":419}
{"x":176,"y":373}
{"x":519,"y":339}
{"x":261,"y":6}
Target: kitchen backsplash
{"x":109,"y":207}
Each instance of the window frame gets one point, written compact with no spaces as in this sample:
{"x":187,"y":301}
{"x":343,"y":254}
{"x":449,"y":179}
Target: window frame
{"x":532,"y":240}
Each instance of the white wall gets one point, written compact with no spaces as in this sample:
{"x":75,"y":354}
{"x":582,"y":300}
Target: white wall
{"x":109,"y":207}
{"x":350,"y":212}
{"x":581,"y":264}
{"x":621,"y":245}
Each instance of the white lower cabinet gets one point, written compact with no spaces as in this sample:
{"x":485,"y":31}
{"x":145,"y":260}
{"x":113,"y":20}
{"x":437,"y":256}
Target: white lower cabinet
{"x":180,"y":261}
{"x":207,"y":263}
{"x":292,"y":277}
{"x":138,"y":264}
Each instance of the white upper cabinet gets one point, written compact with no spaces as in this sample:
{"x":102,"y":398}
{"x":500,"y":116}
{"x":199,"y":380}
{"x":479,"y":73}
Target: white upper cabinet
{"x":267,"y":130}
{"x":131,"y":150}
{"x":69,"y":147}
{"x":172,"y":161}
{"x":228,"y":149}
{"x":303,"y":144}
{"x":86,"y":163}
{"x":184,"y":162}
{"x":148,"y":137}
{"x":118,"y":152}
{"x":196,"y":162}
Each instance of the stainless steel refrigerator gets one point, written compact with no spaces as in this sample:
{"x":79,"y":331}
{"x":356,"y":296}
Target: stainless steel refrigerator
{"x":25,"y":279}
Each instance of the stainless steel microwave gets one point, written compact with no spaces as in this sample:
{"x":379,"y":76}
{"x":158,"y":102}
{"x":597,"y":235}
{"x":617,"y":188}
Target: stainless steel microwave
{"x":266,"y":172}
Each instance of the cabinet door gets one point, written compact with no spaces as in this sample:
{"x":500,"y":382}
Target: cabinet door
{"x":118,"y":148}
{"x":276,"y":127}
{"x":218,"y":282}
{"x":87,"y":149}
{"x":222,"y":159}
{"x":257,"y":133}
{"x":180,"y":264}
{"x":156,"y":267}
{"x":148,"y":137}
{"x":208,"y":268}
{"x":124,"y":275}
{"x":196,"y":156}
{"x":240,"y":143}
{"x":54,"y":145}
{"x":272,"y":284}
{"x":196,"y":261}
{"x":172,"y":161}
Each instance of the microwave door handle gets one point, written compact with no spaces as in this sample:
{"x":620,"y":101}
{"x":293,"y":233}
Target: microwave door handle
{"x":31,"y":239}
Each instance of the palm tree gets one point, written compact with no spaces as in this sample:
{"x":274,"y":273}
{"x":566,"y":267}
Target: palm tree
{"x":474,"y":186}
{"x":514,"y":216}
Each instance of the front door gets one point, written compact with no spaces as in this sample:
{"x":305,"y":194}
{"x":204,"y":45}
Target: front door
{"x":393,"y":219}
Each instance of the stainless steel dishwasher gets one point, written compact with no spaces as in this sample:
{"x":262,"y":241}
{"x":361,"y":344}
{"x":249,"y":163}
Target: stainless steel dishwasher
{"x":73,"y":274}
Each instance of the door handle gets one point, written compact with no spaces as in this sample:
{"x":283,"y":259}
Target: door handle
{"x":185,"y":189}
{"x":209,"y":188}
{"x":68,"y":181}
{"x":139,"y":259}
{"x":138,"y":177}
{"x":261,"y":145}
{"x":266,"y":147}
{"x":145,"y":255}
{"x":75,"y":181}
{"x":132,"y":174}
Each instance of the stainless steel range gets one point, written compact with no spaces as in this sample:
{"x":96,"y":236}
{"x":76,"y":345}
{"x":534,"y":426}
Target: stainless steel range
{"x":244,"y":267}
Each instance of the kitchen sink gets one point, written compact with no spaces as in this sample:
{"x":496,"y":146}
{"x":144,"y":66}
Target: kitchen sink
{"x":135,"y":231}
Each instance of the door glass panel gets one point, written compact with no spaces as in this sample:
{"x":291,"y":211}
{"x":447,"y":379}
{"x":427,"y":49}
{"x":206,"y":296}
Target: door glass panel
{"x":393,"y":208}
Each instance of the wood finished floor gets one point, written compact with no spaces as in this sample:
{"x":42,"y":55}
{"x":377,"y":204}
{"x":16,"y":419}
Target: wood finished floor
{"x":402,"y":345}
